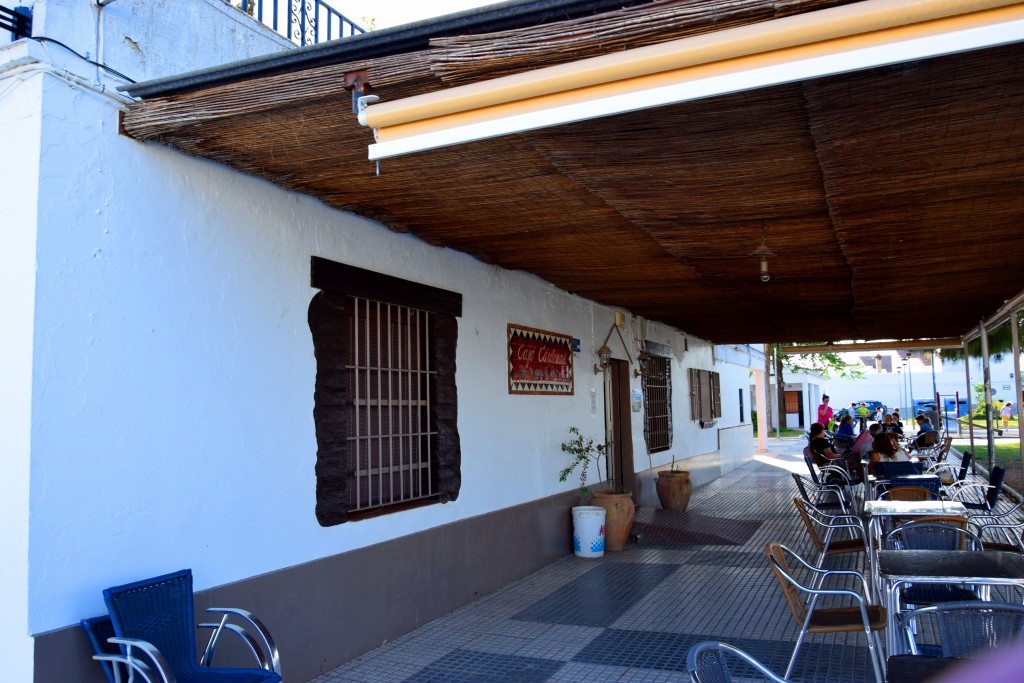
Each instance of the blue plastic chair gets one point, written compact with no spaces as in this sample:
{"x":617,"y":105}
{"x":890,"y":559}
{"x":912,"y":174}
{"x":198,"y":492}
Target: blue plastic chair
{"x":154,"y":627}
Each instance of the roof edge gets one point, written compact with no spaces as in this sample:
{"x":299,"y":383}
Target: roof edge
{"x":387,"y":42}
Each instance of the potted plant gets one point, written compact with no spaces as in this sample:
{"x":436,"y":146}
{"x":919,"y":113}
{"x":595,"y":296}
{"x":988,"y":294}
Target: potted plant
{"x":617,"y":502}
{"x":674,"y":488}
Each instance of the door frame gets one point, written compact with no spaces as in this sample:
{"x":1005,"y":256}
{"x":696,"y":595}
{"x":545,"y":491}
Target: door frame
{"x":618,"y":421}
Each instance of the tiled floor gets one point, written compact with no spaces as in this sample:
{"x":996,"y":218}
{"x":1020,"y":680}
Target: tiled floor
{"x":631,"y":616}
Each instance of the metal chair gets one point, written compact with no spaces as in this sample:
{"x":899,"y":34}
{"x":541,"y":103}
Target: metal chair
{"x":827,"y":545}
{"x":862,"y":616}
{"x":1006,"y":528}
{"x":924,"y":444}
{"x":154,"y":628}
{"x":968,"y":492}
{"x":818,"y":494}
{"x":706,"y":662}
{"x":963,"y":629}
{"x":932,"y":535}
{"x":914,"y":493}
{"x":949,"y":473}
{"x":935,"y":452}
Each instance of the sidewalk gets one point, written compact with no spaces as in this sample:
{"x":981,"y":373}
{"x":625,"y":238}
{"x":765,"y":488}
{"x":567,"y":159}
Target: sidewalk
{"x":631,"y":616}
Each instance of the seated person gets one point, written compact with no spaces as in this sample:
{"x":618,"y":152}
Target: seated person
{"x":825,"y":453}
{"x":845,"y":432}
{"x":885,"y":449}
{"x":889,"y":426}
{"x":924,"y":424}
{"x":896,"y":418}
{"x":862,"y":446}
{"x":923,"y":438}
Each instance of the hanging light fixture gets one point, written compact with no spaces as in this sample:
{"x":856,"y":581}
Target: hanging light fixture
{"x":764,"y":254}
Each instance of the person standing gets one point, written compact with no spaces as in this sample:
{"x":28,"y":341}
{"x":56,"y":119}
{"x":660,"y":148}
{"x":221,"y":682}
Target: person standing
{"x":1006,"y":413}
{"x":862,"y":416}
{"x":825,"y":413}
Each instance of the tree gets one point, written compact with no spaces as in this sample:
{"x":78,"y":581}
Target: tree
{"x":1000,"y":342}
{"x":826,"y":364}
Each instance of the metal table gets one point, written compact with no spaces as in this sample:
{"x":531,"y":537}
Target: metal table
{"x":875,"y":511}
{"x":976,"y":567}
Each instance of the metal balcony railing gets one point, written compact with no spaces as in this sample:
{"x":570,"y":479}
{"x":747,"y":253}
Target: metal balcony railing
{"x":304,"y":22}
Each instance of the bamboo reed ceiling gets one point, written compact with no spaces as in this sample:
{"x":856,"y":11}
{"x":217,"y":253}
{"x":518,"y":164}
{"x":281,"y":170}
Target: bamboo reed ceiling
{"x":892,"y":199}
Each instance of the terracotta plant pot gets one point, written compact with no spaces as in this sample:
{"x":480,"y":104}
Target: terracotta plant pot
{"x":674,"y":489}
{"x":619,"y":515}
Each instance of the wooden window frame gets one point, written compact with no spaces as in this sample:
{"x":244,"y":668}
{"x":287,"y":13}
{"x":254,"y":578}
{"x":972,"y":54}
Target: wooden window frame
{"x":331,"y":324}
{"x":705,"y":397}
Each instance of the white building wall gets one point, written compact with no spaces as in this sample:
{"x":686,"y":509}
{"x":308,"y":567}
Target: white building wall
{"x":20,"y":123}
{"x":159,"y":350}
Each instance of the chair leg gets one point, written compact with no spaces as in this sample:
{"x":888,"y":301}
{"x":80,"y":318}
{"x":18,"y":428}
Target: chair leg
{"x":796,"y":651}
{"x":877,"y":659}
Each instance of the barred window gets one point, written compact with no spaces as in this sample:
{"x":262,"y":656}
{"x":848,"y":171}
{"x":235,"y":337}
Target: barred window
{"x":705,"y":396}
{"x":385,"y":404}
{"x":392,"y":435}
{"x":656,"y":381}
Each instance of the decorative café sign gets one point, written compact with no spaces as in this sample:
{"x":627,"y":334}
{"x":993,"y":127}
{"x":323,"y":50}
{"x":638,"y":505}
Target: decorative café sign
{"x":539,"y":362}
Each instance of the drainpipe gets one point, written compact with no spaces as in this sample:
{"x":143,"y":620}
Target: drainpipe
{"x":987,"y":374}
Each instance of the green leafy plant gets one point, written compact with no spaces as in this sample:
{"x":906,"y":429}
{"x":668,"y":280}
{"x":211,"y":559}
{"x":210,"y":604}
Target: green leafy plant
{"x":584,"y":450}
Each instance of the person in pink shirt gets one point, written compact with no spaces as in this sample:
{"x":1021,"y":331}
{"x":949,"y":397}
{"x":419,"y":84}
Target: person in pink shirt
{"x":825,"y":413}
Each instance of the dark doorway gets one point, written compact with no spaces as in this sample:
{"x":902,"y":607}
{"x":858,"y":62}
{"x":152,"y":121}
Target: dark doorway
{"x":620,"y":419}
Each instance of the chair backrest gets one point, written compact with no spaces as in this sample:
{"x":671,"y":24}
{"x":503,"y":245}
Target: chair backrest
{"x":99,"y":630}
{"x":965,"y":464}
{"x":931,"y":536}
{"x":800,"y":485}
{"x":914,"y":493}
{"x":887,"y":469}
{"x":777,"y":559}
{"x":995,"y":481}
{"x":966,"y":629}
{"x":158,"y":610}
{"x":809,"y":461}
{"x":947,"y":444}
{"x":801,"y":508}
{"x":706,"y":662}
{"x":952,"y":520}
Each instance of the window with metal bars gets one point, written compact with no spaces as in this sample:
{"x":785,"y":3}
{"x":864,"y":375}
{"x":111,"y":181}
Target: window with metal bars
{"x":705,"y":396}
{"x":656,"y":382}
{"x":392,"y":435}
{"x":385,"y":404}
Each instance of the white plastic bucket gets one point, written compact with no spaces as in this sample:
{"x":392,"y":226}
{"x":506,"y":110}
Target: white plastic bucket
{"x":588,"y":531}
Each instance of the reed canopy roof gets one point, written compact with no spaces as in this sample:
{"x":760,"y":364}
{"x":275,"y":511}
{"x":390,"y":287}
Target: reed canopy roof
{"x":891,"y":199}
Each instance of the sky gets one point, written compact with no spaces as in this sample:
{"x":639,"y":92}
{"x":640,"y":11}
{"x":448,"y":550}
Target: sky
{"x":388,"y":13}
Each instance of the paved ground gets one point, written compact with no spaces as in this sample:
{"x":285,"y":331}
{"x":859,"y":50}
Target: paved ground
{"x":631,"y":616}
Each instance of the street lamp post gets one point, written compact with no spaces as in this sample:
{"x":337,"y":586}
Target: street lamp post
{"x":910,"y":378}
{"x":899,"y":385}
{"x":906,"y":393}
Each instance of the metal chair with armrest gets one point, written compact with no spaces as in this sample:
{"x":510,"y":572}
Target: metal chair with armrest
{"x":861,"y":617}
{"x":940,"y":636}
{"x":154,"y":635}
{"x":979,"y":497}
{"x":706,"y":662}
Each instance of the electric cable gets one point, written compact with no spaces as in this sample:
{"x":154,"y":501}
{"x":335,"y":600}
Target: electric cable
{"x":115,"y":72}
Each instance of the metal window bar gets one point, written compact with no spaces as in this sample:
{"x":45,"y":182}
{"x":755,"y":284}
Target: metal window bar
{"x":392,"y":434}
{"x":657,"y":408}
{"x":304,"y":22}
